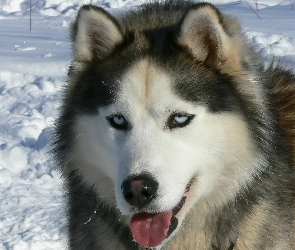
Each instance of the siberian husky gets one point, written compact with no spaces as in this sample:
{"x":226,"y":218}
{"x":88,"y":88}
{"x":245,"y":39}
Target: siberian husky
{"x":174,"y":135}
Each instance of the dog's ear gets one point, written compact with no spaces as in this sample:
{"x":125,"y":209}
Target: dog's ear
{"x":95,"y":33}
{"x":204,"y":32}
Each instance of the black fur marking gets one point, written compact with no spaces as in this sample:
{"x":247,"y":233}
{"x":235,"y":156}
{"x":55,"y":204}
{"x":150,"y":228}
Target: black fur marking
{"x":91,"y":218}
{"x":162,"y":41}
{"x":232,"y":245}
{"x":198,"y":84}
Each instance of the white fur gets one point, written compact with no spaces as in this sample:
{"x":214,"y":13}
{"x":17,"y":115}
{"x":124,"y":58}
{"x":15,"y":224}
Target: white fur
{"x":214,"y":147}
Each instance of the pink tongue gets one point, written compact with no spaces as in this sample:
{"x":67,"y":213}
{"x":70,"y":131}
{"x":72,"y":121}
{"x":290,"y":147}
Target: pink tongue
{"x":149,"y":230}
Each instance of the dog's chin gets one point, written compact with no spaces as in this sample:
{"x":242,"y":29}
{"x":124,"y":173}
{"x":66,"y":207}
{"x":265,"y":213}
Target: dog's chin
{"x":153,"y":229}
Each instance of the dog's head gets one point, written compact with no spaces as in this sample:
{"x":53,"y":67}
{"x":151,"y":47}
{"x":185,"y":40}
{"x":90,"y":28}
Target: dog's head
{"x":161,"y":100}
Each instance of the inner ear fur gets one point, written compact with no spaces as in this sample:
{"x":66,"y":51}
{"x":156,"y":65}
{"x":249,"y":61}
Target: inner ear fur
{"x":95,"y":33}
{"x":212,"y":38}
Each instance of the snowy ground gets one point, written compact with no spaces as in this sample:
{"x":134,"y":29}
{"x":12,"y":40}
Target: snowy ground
{"x":32,"y":71}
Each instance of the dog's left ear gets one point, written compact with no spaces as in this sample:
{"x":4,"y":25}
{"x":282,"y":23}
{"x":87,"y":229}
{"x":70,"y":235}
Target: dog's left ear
{"x":210,"y":36}
{"x":95,"y":33}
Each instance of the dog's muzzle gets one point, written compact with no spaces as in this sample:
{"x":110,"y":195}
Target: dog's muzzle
{"x":150,"y":229}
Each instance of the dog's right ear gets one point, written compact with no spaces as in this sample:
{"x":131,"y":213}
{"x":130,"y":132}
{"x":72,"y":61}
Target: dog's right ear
{"x":95,"y":33}
{"x":213,"y":38}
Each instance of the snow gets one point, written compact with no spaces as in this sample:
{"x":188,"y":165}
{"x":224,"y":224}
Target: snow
{"x":32,"y":72}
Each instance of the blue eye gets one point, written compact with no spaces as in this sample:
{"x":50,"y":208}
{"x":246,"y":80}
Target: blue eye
{"x":118,"y":122}
{"x":179,"y":120}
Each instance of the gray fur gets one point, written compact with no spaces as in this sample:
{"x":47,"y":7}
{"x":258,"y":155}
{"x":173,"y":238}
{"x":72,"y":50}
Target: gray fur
{"x":153,"y":31}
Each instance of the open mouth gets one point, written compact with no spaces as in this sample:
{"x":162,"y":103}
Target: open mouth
{"x":151,"y":229}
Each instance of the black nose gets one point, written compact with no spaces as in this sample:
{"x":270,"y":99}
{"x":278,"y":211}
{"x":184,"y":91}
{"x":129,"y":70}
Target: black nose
{"x":139,"y":190}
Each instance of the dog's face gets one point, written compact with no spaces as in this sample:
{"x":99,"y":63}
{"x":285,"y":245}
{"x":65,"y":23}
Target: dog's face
{"x":151,"y":133}
{"x":168,"y":133}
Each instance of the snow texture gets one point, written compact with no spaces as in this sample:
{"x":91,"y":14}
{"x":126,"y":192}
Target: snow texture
{"x":32,"y":72}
